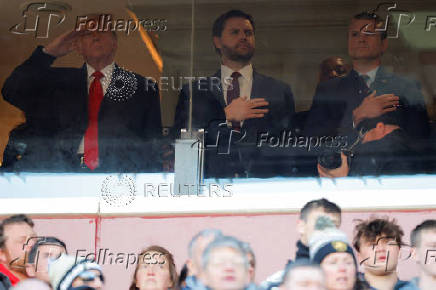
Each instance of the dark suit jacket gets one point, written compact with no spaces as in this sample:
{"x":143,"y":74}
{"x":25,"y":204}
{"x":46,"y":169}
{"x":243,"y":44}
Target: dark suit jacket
{"x":208,"y":113}
{"x":393,"y":154}
{"x":55,"y":103}
{"x":335,"y":100}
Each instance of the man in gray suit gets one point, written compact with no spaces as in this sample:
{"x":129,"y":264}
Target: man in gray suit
{"x":236,"y":104}
{"x":369,"y":90}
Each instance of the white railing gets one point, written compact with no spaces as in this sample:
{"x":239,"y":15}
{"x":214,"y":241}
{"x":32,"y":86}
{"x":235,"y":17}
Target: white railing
{"x":152,"y":194}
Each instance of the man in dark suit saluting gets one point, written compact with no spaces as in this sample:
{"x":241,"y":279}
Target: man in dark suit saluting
{"x":99,"y":117}
{"x":237,"y":102}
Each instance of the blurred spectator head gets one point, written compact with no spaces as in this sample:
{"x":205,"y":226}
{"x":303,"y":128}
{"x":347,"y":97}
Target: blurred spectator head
{"x":333,"y":67}
{"x":196,"y":248}
{"x":69,"y":273}
{"x":311,"y":211}
{"x":43,"y":251}
{"x":423,"y":239}
{"x":31,"y":284}
{"x":378,"y":242}
{"x":330,"y":248}
{"x":303,"y":275}
{"x":225,"y":264}
{"x":251,"y":260}
{"x":155,"y":270}
{"x":15,"y":241}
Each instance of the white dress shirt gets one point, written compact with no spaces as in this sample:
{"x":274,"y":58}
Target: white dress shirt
{"x":371,"y":74}
{"x":245,"y":80}
{"x":105,"y":81}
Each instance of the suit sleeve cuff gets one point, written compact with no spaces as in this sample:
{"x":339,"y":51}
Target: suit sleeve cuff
{"x":42,"y":58}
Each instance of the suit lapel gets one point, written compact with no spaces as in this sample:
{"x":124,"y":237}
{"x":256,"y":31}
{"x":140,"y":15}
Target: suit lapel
{"x":256,"y":86}
{"x":381,"y":78}
{"x":217,"y":91}
{"x":256,"y":92}
{"x":83,"y":97}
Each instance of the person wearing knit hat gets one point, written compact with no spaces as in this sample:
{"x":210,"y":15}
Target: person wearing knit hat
{"x":330,"y":248}
{"x":69,"y":273}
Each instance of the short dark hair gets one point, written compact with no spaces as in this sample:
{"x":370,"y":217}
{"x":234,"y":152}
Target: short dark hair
{"x":300,"y":263}
{"x":220,"y":22}
{"x":15,"y":219}
{"x":41,"y":241}
{"x":415,"y":235}
{"x":373,"y":227}
{"x":325,"y":204}
{"x":389,"y":118}
{"x":378,"y":21}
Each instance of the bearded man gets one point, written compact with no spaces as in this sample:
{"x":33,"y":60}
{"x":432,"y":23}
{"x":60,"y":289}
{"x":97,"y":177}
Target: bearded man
{"x":238,"y":100}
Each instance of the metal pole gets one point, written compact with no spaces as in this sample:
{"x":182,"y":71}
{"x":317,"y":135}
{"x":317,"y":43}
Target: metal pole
{"x":191,"y":70}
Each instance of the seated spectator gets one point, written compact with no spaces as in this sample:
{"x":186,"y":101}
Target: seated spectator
{"x":384,"y":149}
{"x":225,"y":265}
{"x":329,"y":247}
{"x":305,"y":227}
{"x":195,"y":251}
{"x":306,"y":222}
{"x":302,"y":275}
{"x":15,"y":232}
{"x":31,"y":284}
{"x":44,"y":250}
{"x":155,"y":270}
{"x":333,"y":67}
{"x":423,"y":239}
{"x":69,"y":273}
{"x":378,"y":242}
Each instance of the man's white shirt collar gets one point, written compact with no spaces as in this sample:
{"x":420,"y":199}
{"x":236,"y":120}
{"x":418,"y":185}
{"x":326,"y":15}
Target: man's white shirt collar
{"x":246,"y":72}
{"x":106,"y":71}
{"x":371,"y":74}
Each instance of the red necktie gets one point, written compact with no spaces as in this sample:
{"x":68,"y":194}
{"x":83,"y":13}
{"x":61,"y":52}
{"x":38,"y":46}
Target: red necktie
{"x":234,"y":94}
{"x":91,"y":135}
